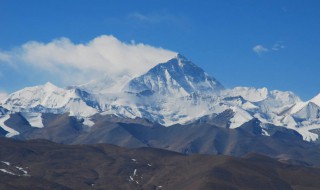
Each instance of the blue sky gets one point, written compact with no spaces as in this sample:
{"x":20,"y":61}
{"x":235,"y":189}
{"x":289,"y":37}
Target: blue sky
{"x":262,"y":43}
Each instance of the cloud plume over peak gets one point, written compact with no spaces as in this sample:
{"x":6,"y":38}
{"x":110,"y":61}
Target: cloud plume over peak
{"x":77,"y":63}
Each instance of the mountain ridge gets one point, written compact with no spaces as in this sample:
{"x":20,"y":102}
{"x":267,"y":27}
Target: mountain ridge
{"x":174,"y":92}
{"x":41,"y":164}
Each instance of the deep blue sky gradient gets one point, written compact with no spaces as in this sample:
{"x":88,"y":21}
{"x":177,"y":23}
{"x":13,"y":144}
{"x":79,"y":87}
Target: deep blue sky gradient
{"x":217,"y":35}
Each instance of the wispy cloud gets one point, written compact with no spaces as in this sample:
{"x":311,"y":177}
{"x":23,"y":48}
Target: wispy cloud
{"x":5,"y":57}
{"x":278,"y":46}
{"x":157,"y":17}
{"x":260,"y":49}
{"x":77,"y":63}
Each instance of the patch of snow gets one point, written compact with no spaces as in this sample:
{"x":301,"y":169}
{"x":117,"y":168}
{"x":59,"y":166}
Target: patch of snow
{"x":265,"y":133}
{"x":8,"y":172}
{"x":131,"y":177}
{"x":34,"y":119}
{"x":306,"y":134}
{"x":264,"y":130}
{"x":25,"y":173}
{"x":11,"y":132}
{"x":134,"y":172}
{"x":240,"y":117}
{"x":88,"y":122}
{"x":6,"y":163}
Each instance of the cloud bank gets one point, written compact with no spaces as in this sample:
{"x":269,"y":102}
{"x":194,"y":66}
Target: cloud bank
{"x":78,"y":63}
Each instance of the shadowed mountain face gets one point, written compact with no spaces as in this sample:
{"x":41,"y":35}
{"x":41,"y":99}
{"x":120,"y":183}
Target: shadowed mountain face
{"x":40,"y":164}
{"x":207,"y":136}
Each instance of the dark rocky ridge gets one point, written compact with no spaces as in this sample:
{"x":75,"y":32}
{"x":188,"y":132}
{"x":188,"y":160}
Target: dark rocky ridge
{"x":201,"y":137}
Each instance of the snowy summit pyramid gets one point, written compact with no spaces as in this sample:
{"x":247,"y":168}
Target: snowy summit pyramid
{"x":178,"y":76}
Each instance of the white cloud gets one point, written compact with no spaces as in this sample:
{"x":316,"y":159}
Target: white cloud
{"x":278,"y":46}
{"x":158,"y":17}
{"x":5,"y":57}
{"x":259,"y":49}
{"x":78,"y":63}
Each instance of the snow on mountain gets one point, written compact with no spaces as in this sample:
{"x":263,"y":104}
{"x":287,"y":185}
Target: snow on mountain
{"x":48,"y":98}
{"x":240,"y":117}
{"x":166,"y":110}
{"x":34,"y":119}
{"x":178,"y":77}
{"x":275,"y":97}
{"x":3,"y":111}
{"x":11,"y":132}
{"x":174,"y":92}
{"x":316,"y":100}
{"x":3,"y":95}
{"x":300,"y":107}
{"x":310,"y":111}
{"x":248,"y":93}
{"x":281,"y":98}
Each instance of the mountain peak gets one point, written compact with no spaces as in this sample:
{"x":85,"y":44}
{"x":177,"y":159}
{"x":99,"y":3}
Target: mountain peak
{"x":178,"y":76}
{"x":49,"y":86}
{"x":316,"y":99}
{"x":181,"y":57}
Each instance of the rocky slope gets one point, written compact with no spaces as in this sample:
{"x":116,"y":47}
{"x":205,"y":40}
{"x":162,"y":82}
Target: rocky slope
{"x":42,"y":164}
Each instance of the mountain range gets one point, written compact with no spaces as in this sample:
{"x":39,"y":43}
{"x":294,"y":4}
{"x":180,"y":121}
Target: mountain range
{"x":175,"y":92}
{"x":271,"y":136}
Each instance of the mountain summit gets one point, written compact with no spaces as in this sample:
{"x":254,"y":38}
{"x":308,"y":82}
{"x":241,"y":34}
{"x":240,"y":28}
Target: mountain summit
{"x":178,"y":76}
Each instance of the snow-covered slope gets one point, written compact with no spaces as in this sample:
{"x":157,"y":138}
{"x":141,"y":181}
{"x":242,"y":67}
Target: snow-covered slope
{"x":11,"y":132}
{"x":48,"y":98}
{"x":177,"y":77}
{"x":248,"y":93}
{"x":34,"y":119}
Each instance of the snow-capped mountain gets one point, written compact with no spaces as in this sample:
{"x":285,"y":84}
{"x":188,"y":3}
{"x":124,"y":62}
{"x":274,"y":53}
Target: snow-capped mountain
{"x":174,"y":92}
{"x":177,"y":77}
{"x":49,"y":98}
